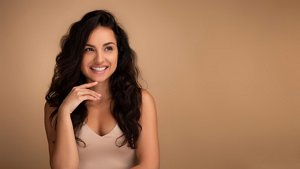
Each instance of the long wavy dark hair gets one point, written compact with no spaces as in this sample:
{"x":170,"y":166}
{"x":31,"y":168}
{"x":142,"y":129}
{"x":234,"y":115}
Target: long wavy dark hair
{"x":124,"y":86}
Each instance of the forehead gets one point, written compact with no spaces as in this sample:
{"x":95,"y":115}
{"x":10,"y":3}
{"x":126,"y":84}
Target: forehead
{"x":101,"y":35}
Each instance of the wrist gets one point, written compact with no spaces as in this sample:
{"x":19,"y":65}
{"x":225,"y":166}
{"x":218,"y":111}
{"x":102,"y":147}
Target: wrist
{"x":63,"y":112}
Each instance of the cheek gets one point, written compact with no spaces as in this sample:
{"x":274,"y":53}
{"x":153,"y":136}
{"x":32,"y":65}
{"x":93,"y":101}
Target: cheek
{"x":116,"y":61}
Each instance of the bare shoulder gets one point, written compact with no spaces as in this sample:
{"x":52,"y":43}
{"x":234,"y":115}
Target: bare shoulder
{"x":48,"y":110}
{"x":147,"y":98}
{"x":47,"y":121}
{"x":148,"y":104}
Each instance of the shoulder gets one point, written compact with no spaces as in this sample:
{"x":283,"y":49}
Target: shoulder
{"x":147,"y":97}
{"x":48,"y":109}
{"x":148,"y":103}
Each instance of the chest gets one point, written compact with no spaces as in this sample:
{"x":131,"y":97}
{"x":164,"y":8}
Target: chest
{"x":100,"y":119}
{"x":104,"y":150}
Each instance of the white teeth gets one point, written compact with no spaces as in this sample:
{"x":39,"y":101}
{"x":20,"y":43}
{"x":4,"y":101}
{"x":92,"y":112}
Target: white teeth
{"x":98,"y":68}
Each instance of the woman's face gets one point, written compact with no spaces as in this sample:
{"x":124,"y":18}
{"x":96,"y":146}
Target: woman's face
{"x":100,"y":55}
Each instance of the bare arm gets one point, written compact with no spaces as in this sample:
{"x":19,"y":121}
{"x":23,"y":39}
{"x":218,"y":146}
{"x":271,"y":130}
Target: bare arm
{"x":148,"y":145}
{"x":63,"y":150}
{"x":62,"y":145}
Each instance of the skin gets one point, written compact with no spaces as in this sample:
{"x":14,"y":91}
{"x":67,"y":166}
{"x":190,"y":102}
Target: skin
{"x":100,"y":51}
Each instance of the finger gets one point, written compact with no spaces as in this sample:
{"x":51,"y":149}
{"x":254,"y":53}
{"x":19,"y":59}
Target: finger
{"x":87,"y":85}
{"x":88,"y":97}
{"x":88,"y":91}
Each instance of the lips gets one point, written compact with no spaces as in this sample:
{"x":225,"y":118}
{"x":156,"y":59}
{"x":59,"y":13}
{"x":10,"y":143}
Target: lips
{"x":98,"y":68}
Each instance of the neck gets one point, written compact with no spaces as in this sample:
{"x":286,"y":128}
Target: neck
{"x":103,"y":89}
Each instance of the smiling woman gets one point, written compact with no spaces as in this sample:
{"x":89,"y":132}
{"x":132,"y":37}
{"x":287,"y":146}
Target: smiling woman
{"x":100,"y":55}
{"x":96,"y":114}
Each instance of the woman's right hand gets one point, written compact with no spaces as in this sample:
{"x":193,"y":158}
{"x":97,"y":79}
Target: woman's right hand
{"x":77,"y":95}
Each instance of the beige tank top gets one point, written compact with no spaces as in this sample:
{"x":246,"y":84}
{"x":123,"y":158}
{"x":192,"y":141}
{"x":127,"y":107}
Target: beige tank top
{"x":103,"y":152}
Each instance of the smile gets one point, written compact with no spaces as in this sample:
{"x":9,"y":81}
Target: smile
{"x":99,"y":69}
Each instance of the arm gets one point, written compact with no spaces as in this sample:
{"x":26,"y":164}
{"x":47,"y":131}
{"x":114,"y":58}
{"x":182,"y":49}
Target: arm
{"x":63,"y":150}
{"x":147,"y":144}
{"x":62,"y":145}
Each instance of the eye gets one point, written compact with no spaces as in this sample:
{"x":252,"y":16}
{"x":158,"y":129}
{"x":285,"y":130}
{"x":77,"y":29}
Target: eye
{"x":88,"y":49}
{"x":108,"y":48}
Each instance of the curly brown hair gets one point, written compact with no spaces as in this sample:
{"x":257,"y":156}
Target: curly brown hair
{"x":124,"y":86}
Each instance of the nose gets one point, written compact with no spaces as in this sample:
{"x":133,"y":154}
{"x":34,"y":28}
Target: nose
{"x":99,"y":58}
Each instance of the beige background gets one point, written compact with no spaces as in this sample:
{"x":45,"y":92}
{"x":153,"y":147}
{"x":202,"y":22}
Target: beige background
{"x":225,"y":76}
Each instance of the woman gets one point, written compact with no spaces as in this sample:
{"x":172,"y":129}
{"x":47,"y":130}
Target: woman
{"x":97,"y":115}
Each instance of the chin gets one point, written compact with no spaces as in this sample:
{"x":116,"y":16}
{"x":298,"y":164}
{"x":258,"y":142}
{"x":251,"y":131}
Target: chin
{"x":99,"y":80}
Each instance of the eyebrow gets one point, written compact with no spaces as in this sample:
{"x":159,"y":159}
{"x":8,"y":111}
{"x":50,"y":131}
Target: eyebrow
{"x":105,"y":44}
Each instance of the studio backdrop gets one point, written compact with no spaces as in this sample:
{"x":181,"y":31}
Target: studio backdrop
{"x":225,"y":76}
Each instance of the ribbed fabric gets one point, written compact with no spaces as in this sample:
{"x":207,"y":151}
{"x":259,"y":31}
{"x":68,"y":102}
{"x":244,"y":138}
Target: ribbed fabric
{"x":102,"y":152}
